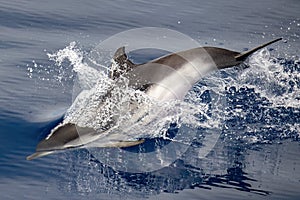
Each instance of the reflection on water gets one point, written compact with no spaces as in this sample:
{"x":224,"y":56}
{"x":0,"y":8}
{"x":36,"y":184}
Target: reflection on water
{"x":270,"y":170}
{"x":246,"y":170}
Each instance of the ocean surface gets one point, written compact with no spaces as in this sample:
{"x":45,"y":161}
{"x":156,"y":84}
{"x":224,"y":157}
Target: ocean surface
{"x":248,"y":115}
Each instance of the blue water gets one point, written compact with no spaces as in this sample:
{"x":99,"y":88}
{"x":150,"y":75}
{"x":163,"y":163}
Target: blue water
{"x":257,"y":155}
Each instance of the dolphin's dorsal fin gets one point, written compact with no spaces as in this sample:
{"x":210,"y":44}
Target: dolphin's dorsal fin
{"x":122,"y":63}
{"x":244,"y":55}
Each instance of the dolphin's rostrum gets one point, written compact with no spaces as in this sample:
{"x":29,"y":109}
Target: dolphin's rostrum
{"x":165,"y":78}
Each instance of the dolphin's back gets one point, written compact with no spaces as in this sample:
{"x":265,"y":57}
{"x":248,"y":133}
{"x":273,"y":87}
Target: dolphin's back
{"x":217,"y":57}
{"x":223,"y":58}
{"x":172,"y":76}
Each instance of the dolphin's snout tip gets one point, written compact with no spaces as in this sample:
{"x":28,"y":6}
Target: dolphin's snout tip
{"x":33,"y":156}
{"x":30,"y":157}
{"x":37,"y":155}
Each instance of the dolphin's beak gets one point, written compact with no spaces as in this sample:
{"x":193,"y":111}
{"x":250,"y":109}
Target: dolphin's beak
{"x":38,"y":154}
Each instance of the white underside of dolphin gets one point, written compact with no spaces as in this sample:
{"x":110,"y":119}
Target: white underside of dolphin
{"x":166,"y":78}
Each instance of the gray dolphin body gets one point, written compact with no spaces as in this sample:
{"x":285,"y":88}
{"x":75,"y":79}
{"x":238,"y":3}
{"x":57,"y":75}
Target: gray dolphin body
{"x":165,"y":78}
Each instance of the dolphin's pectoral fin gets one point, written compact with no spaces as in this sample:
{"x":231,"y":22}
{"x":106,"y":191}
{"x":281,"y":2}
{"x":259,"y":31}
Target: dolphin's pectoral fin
{"x":112,"y":144}
{"x":125,"y":143}
{"x":124,"y":64}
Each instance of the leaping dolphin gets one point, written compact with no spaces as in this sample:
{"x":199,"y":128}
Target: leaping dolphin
{"x":165,"y":78}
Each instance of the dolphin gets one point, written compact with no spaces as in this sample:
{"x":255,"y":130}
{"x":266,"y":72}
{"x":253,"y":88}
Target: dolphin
{"x":165,"y":78}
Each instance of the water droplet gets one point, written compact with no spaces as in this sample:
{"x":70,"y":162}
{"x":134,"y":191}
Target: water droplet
{"x":30,"y":69}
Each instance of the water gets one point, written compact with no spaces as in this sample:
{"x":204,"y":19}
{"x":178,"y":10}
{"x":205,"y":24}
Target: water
{"x":257,"y":153}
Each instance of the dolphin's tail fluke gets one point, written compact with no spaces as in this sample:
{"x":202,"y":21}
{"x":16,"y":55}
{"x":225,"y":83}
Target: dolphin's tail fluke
{"x":244,"y":55}
{"x":38,"y":154}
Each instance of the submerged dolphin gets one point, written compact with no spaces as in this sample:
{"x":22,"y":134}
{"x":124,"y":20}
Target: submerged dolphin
{"x":165,"y":78}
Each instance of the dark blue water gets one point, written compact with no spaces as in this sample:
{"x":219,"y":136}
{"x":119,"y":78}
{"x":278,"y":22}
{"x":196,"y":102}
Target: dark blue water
{"x":257,"y":154}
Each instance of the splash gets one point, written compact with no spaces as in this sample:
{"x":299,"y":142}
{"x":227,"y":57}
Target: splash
{"x":103,"y":104}
{"x":276,"y":80}
{"x":254,"y":105}
{"x":263,"y":100}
